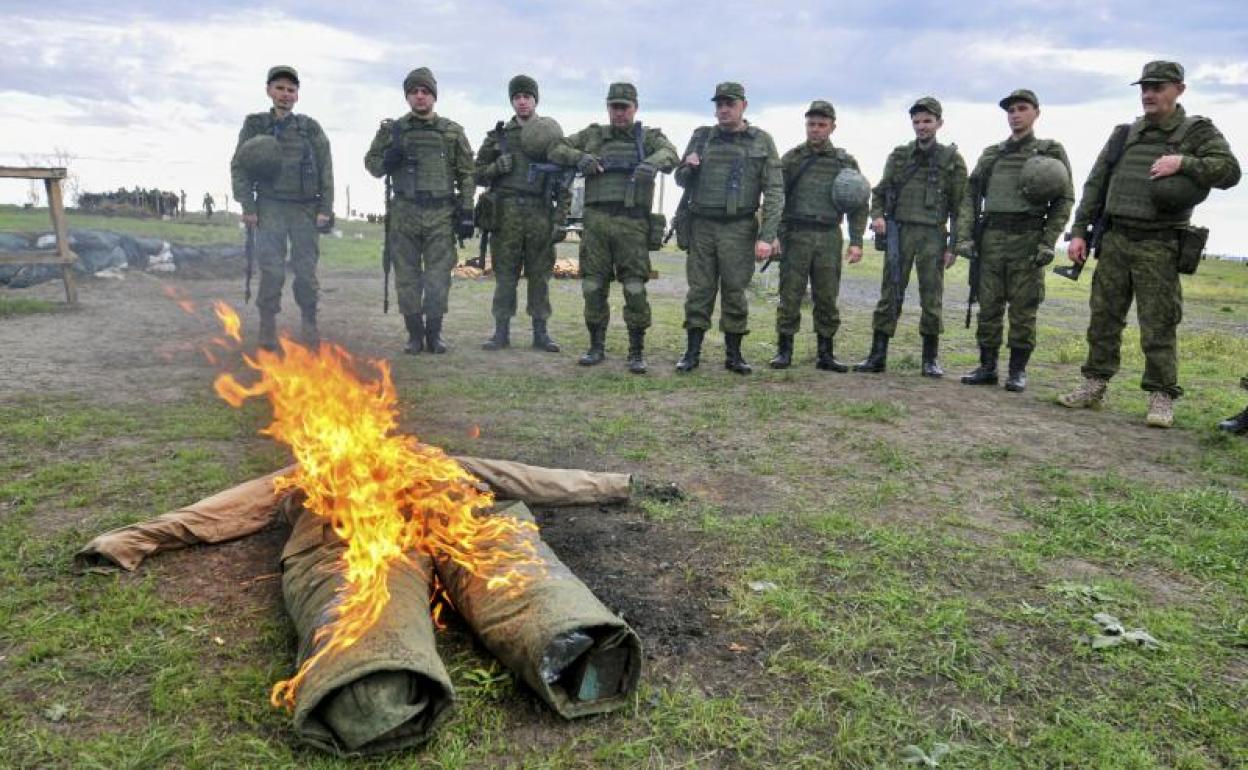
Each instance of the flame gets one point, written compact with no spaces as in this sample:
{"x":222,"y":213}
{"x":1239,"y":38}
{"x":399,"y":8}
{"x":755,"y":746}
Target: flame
{"x":180,"y":297}
{"x":384,"y":493}
{"x":229,"y":320}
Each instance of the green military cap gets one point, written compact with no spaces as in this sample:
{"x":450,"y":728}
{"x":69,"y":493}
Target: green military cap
{"x":1161,"y":72}
{"x":1020,"y":95}
{"x":621,"y":93}
{"x":421,"y":76}
{"x":282,"y":71}
{"x":820,"y":107}
{"x":927,"y":104}
{"x":728,"y":90}
{"x":522,"y":84}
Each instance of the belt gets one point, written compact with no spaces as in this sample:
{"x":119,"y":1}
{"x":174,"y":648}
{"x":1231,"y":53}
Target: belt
{"x":1146,"y":233}
{"x":717,"y":217}
{"x":286,"y":199}
{"x":524,"y":198}
{"x":805,"y":224}
{"x":426,"y":199}
{"x":618,"y":209}
{"x":1014,"y":223}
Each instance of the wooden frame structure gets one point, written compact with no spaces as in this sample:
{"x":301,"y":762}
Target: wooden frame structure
{"x":60,"y":255}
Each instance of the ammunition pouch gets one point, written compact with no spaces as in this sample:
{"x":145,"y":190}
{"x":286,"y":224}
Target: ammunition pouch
{"x":654,"y":236}
{"x":1191,"y":248}
{"x":683,"y":225}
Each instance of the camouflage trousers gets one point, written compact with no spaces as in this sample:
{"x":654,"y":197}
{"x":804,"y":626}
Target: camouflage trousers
{"x":614,"y":248}
{"x":522,"y":241}
{"x":923,"y":248}
{"x":1007,"y":278}
{"x":279,"y":223}
{"x":721,"y":256}
{"x":422,"y":252}
{"x":810,"y":256}
{"x":1147,"y":271}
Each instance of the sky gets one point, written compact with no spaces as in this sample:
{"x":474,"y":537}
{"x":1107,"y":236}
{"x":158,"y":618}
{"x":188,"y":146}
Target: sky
{"x":154,"y":94}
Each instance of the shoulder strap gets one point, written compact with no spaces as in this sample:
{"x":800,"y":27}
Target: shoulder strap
{"x":1184,"y":129}
{"x":806,"y":164}
{"x":500,"y":136}
{"x":1117,"y":145}
{"x":396,"y":132}
{"x":639,"y":136}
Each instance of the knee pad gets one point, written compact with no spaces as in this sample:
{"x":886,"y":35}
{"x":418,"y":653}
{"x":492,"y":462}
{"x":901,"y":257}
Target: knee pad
{"x":634,"y":287}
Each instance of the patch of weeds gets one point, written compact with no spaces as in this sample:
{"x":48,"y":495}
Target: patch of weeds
{"x":874,"y":411}
{"x":15,"y":306}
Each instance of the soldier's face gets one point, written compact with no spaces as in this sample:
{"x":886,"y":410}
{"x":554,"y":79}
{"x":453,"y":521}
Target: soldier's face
{"x":621,"y":114}
{"x":818,"y":129}
{"x":1159,"y":99}
{"x":524,"y":105}
{"x":1021,"y":116}
{"x":421,"y":100}
{"x":283,"y":92}
{"x":925,"y":125}
{"x":728,"y":112}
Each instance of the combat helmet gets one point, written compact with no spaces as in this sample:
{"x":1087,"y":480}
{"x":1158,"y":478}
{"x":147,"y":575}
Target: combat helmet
{"x":538,"y":136}
{"x":260,"y":157}
{"x":1042,"y":179}
{"x":850,"y":191}
{"x":1176,"y":193}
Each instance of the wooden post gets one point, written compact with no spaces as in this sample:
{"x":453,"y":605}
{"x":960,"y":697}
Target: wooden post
{"x":62,"y":255}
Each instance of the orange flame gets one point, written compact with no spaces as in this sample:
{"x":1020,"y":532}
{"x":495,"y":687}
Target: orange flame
{"x":229,"y":320}
{"x":384,"y":493}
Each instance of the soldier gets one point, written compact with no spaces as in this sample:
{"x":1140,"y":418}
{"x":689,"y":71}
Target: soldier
{"x":1022,"y":193}
{"x":620,"y":161}
{"x":1147,"y":183}
{"x":208,"y":204}
{"x":291,"y":204}
{"x":531,"y":208}
{"x":810,"y":235}
{"x":182,"y":202}
{"x":430,"y":164}
{"x":1239,"y":423}
{"x":920,"y":191}
{"x":727,"y":168}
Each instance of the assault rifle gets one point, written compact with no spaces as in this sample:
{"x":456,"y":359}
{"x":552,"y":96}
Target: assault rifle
{"x":479,"y":260}
{"x":977,"y":239}
{"x":385,"y":251}
{"x":1100,"y":223}
{"x":249,"y":250}
{"x":892,"y":247}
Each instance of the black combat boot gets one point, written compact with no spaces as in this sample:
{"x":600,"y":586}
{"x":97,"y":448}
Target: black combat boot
{"x":931,"y":367}
{"x":597,"y":352}
{"x":433,"y":335}
{"x":986,"y":372}
{"x":1016,"y":382}
{"x":784,"y":352}
{"x":309,"y":335}
{"x":877,"y":359}
{"x":1237,"y":424}
{"x":541,"y":339}
{"x":692,"y":356}
{"x":502,"y":335}
{"x":733,"y":360}
{"x":824,"y":359}
{"x":636,"y":349}
{"x":415,"y":323}
{"x":268,"y":331}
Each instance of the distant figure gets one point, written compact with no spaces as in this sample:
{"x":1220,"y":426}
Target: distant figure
{"x":182,"y":203}
{"x":208,"y":204}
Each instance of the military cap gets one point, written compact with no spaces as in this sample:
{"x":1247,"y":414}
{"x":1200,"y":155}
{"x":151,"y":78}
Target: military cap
{"x":622,"y":93}
{"x":421,"y":76}
{"x":1020,"y":95}
{"x":820,"y":107}
{"x":522,"y":84}
{"x":728,"y":90}
{"x":1161,"y":72}
{"x":282,"y":71}
{"x":927,"y":104}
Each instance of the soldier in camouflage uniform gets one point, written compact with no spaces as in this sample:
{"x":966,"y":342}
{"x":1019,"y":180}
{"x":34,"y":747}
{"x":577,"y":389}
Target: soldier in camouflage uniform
{"x":727,"y":168}
{"x":926,"y":180}
{"x":532,"y":209}
{"x":1139,"y":252}
{"x":1017,"y":240}
{"x":810,"y":236}
{"x":620,"y":161}
{"x":290,"y":207}
{"x":430,"y":165}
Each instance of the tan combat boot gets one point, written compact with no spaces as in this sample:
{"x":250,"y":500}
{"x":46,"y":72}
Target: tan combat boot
{"x":1160,"y":410}
{"x":1089,"y":395}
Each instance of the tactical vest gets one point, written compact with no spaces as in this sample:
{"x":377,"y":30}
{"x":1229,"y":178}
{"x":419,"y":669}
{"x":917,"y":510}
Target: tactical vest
{"x":729,"y":179}
{"x":1128,"y":184}
{"x":426,"y":170}
{"x":299,"y":178}
{"x":613,"y":185}
{"x":1005,"y":194}
{"x":810,"y":199}
{"x":924,"y":199}
{"x":518,"y":180}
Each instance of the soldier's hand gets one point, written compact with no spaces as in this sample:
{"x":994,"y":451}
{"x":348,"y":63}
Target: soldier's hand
{"x":645,"y":172}
{"x":693,"y":160}
{"x":878,"y":225}
{"x":251,"y":220}
{"x":1166,"y":165}
{"x":762,"y":250}
{"x":1043,"y":256}
{"x":853,"y":255}
{"x":503,"y":164}
{"x":588,"y":165}
{"x":391,"y":159}
{"x":948,"y":259}
{"x":1077,"y":250}
{"x":322,"y":221}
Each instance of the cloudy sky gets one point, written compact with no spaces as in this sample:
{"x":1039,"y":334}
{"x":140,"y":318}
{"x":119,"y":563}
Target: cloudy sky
{"x":154,"y":94}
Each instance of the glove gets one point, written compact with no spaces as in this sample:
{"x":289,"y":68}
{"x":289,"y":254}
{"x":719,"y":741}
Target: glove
{"x":1044,"y":255}
{"x":645,"y":172}
{"x":558,"y":233}
{"x":391,"y":159}
{"x":465,"y":227}
{"x":503,"y":164}
{"x":587,"y":165}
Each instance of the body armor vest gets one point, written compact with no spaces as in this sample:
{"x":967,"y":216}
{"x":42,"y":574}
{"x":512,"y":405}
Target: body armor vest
{"x":299,"y":178}
{"x":923,"y":199}
{"x":1128,"y":185}
{"x":425,"y":172}
{"x":519,"y":180}
{"x":1005,"y":193}
{"x":612,"y":186}
{"x":730,"y":177}
{"x":810,"y":200}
